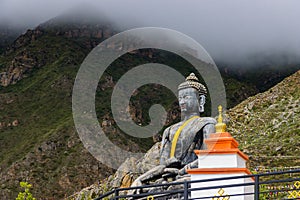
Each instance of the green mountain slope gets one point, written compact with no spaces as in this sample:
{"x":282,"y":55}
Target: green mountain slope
{"x":267,"y":125}
{"x":39,"y":143}
{"x":43,"y":146}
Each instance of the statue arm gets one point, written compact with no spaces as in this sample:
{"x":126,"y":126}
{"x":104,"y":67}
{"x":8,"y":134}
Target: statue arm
{"x":164,"y":151}
{"x":164,"y":161}
{"x":208,"y":129}
{"x":165,"y":136}
{"x":191,"y":165}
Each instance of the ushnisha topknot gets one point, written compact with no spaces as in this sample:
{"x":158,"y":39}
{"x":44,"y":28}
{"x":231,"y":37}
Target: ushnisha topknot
{"x":193,"y":82}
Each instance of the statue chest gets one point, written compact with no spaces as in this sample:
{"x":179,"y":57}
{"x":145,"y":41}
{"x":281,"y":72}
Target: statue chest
{"x":186,"y":136}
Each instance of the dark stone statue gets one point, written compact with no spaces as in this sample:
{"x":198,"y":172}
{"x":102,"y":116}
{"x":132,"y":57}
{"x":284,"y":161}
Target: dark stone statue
{"x":181,"y":139}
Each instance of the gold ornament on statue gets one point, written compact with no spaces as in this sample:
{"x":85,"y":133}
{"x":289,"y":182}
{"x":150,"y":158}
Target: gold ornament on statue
{"x":220,"y":126}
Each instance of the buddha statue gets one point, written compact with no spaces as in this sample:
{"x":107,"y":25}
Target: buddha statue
{"x":181,"y":139}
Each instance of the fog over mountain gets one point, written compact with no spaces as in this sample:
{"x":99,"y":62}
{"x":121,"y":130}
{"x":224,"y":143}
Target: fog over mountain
{"x":232,"y":31}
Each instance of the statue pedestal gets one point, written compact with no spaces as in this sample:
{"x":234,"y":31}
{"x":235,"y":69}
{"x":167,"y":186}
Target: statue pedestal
{"x":221,"y":159}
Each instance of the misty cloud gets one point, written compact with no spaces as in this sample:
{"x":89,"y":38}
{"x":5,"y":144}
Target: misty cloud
{"x":230,"y":29}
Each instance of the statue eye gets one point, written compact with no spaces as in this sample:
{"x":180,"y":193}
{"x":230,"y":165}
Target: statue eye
{"x":184,"y":97}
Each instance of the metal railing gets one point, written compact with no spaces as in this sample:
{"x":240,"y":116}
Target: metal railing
{"x":275,"y":185}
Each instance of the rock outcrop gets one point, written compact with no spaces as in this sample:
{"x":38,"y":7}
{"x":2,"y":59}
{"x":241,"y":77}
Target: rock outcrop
{"x":25,"y":59}
{"x":124,"y":176}
{"x":19,"y":67}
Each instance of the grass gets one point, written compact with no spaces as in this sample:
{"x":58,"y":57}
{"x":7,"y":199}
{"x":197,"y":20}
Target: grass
{"x":267,"y":125}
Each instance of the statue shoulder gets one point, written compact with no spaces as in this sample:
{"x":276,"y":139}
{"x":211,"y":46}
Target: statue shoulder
{"x":172,"y":126}
{"x":167,"y":131}
{"x":208,"y":120}
{"x":208,"y":127}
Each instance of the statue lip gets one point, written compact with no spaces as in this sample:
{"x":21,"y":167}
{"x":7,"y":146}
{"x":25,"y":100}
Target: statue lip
{"x":183,"y":106}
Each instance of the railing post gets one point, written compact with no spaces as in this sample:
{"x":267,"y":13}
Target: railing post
{"x":256,"y":187}
{"x":116,"y":194}
{"x":185,"y":192}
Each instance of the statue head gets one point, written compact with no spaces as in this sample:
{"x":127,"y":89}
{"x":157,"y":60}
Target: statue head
{"x":191,"y":95}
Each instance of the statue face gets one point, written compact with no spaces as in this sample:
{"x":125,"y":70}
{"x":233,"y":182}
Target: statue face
{"x":188,"y":100}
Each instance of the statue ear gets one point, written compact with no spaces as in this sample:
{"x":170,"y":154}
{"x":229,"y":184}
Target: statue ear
{"x":201,"y":103}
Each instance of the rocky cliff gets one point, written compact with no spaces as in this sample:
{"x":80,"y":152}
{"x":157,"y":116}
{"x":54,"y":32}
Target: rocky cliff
{"x":22,"y":55}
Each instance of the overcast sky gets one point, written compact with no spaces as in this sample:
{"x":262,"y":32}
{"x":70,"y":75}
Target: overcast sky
{"x":226,"y":28}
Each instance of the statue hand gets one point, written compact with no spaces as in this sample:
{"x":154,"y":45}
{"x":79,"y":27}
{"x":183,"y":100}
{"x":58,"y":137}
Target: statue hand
{"x":173,"y":162}
{"x":191,"y":165}
{"x":182,"y":171}
{"x":136,"y":183}
{"x":171,"y":170}
{"x":170,"y":173}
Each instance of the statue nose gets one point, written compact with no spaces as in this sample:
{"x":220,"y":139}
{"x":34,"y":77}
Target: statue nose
{"x":182,"y":101}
